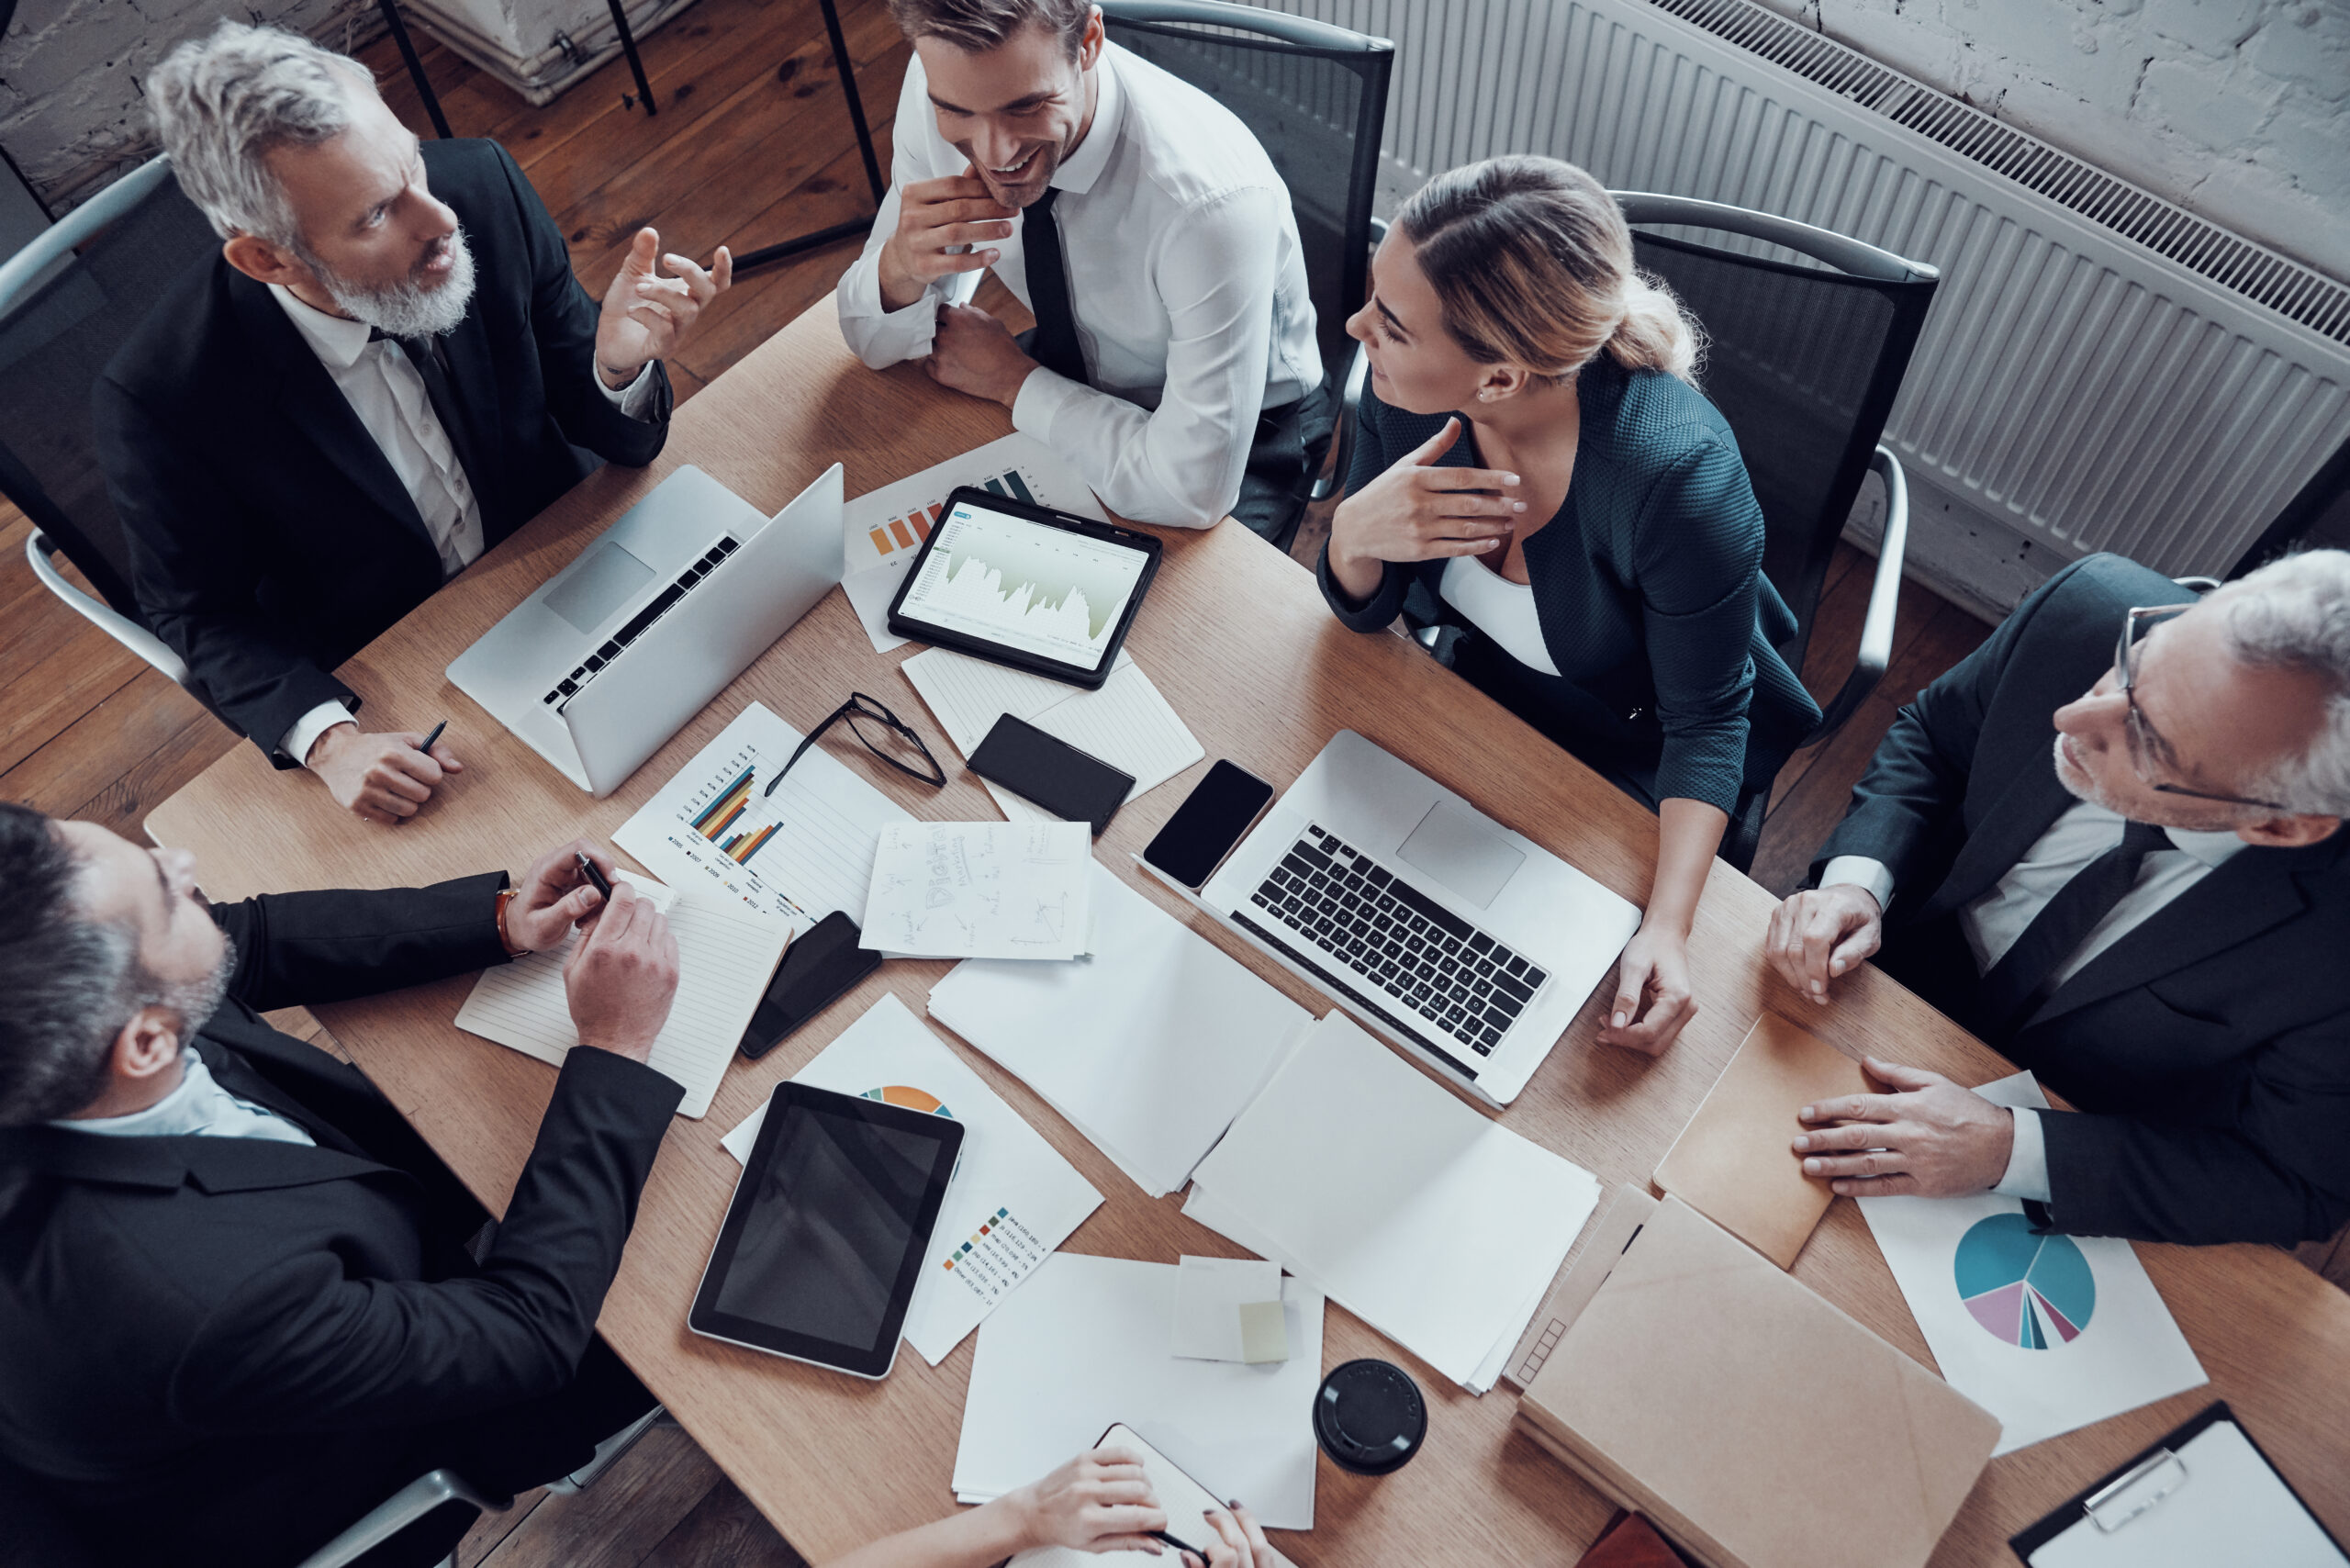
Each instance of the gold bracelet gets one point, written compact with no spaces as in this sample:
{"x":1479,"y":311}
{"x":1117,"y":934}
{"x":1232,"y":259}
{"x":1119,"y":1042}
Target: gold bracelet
{"x":505,"y":897}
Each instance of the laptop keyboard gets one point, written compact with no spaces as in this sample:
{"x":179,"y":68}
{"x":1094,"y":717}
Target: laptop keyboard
{"x":661,"y":604}
{"x":1461,"y":982}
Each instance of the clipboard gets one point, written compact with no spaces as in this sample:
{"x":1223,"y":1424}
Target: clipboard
{"x":2148,"y":1511}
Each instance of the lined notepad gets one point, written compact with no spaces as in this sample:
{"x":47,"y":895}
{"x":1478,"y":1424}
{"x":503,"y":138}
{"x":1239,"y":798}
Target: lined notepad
{"x":724,"y":962}
{"x":1127,"y":723}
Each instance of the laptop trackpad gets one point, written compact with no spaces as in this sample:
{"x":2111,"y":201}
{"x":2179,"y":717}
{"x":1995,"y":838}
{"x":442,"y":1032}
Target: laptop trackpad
{"x":1464,"y":853}
{"x":602,"y":584}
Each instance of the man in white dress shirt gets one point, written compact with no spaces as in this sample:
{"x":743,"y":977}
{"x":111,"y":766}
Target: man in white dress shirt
{"x":387,"y":369}
{"x":2147,"y":904}
{"x":1173,"y":362}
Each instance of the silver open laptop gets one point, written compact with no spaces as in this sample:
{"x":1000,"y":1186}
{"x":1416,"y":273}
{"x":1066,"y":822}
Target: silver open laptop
{"x":1467,"y":944}
{"x":614,"y":654}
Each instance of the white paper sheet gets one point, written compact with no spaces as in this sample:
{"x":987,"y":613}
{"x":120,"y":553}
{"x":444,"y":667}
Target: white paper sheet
{"x":981,"y":889}
{"x":2110,"y":1344}
{"x":1127,"y":723}
{"x":724,"y":962}
{"x":1209,"y":1294}
{"x":2220,"y":1503}
{"x":1185,"y":1500}
{"x":1013,"y":1199}
{"x":1428,"y":1220}
{"x":882,"y":531}
{"x":1151,"y":1046}
{"x":819,"y":858}
{"x":1083,"y":1345}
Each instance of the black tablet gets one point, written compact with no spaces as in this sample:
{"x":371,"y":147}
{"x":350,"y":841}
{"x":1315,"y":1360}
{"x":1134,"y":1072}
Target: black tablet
{"x":828,"y":1231}
{"x":1025,"y":586}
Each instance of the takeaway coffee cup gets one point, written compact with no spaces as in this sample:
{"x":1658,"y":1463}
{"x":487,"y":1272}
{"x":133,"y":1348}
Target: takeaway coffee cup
{"x":1368,"y":1417}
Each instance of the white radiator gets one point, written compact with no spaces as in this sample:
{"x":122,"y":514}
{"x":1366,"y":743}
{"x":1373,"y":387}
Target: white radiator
{"x":2101,"y":370}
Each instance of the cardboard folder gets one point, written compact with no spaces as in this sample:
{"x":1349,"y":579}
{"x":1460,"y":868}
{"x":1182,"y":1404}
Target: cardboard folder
{"x":1756,"y":1423}
{"x":1734,"y":1162}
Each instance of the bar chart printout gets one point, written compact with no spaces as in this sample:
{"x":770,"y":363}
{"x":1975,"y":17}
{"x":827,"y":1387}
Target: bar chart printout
{"x":906,"y":532}
{"x":795,"y":855}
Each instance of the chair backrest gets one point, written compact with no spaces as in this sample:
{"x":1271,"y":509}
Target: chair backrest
{"x":1316,"y":96}
{"x":67,"y":302}
{"x":1805,"y":357}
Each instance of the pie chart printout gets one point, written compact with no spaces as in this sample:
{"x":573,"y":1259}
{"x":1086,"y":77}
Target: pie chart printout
{"x":2034,"y":1292}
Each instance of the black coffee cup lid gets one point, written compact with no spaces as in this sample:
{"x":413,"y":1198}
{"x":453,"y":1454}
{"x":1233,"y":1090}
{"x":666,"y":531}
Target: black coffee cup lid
{"x":1369,"y":1417}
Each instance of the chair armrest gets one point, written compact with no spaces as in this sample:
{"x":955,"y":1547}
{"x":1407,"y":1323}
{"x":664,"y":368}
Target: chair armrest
{"x":1342,"y":453}
{"x":396,"y":1513}
{"x":120,"y":627}
{"x":1884,"y":596}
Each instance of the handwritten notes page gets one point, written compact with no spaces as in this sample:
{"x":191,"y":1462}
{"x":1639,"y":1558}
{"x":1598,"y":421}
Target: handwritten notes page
{"x":724,"y":961}
{"x":981,"y":889}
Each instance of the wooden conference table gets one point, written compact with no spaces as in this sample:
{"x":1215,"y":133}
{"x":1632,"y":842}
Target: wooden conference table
{"x":1238,"y":640}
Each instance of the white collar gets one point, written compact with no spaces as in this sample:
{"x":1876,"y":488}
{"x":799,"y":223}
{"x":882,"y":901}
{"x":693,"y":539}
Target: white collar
{"x":1082,"y":167}
{"x":2211,"y":849}
{"x":186,"y":1109}
{"x":335,"y":340}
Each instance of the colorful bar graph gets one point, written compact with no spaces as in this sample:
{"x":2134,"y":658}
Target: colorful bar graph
{"x":719,"y":814}
{"x":906,"y":532}
{"x":743,"y":845}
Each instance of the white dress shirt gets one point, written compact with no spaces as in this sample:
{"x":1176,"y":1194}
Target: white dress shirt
{"x":1992,"y":923}
{"x":1499,"y":607}
{"x":199,"y":1107}
{"x":387,"y":391}
{"x":1185,"y":277}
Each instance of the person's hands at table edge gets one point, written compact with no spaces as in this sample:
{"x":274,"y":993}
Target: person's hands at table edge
{"x":1930,"y":1138}
{"x":553,"y":896}
{"x":975,"y":353}
{"x":1822,"y":934}
{"x":622,"y":975}
{"x":1654,"y":998}
{"x":1239,"y":1542}
{"x":380,"y":778}
{"x":1100,"y":1501}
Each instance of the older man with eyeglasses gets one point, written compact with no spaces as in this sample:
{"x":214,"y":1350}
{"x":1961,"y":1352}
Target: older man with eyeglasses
{"x":2148,"y":907}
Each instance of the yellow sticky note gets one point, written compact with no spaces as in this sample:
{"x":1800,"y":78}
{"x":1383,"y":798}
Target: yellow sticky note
{"x":1263,"y":1336}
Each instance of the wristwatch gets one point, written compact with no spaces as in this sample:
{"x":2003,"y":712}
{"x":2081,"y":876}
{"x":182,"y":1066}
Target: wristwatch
{"x":505,"y":897}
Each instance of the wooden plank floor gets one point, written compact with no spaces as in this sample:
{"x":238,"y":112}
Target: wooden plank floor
{"x":751,"y":145}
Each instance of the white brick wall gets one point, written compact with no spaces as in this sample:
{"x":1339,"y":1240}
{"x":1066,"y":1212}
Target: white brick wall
{"x":70,"y":111}
{"x":2238,"y":110}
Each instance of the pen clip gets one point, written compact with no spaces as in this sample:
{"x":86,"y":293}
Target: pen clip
{"x":2110,"y":1507}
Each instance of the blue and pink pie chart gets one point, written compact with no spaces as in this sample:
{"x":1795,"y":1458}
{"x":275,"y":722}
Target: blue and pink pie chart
{"x":2028,"y":1290}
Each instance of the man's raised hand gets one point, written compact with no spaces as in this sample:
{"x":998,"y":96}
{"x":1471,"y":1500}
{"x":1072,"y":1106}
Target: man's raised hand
{"x":934,"y":216}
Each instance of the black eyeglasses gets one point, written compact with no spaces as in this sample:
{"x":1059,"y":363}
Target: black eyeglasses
{"x":885,"y":735}
{"x":2144,"y":743}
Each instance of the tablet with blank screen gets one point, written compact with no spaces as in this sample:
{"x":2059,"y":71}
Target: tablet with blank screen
{"x":828,"y":1230}
{"x":1025,"y":586}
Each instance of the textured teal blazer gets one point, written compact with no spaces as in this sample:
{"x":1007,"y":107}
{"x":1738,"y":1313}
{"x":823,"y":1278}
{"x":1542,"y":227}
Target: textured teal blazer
{"x":1649,"y":586}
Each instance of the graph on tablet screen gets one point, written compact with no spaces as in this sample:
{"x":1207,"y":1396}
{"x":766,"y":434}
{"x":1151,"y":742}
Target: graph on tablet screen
{"x":1058,"y":595}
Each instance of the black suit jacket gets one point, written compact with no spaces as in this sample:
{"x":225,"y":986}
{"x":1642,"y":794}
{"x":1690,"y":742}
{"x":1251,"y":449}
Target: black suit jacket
{"x":2208,"y":1050}
{"x":219,"y":1348}
{"x":269,"y":538}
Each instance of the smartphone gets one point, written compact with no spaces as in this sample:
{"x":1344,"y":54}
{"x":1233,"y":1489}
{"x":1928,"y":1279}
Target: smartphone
{"x":1073,"y":784}
{"x":1217,"y":815}
{"x":820,"y":963}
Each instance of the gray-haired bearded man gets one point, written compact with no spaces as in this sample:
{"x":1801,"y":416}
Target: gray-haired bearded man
{"x":387,"y":369}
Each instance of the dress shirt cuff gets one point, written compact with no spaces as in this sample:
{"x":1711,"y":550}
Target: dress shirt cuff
{"x":636,"y":400}
{"x":882,"y":336}
{"x":1860,"y":871}
{"x":2027,"y":1172}
{"x":1040,"y":401}
{"x":310,"y":727}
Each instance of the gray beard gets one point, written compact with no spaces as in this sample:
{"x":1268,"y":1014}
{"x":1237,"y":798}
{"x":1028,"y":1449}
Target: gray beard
{"x":408,"y":308}
{"x":197,"y":1001}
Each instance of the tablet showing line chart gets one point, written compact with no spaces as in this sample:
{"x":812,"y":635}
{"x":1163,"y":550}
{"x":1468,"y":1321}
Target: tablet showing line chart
{"x":1046,"y":591}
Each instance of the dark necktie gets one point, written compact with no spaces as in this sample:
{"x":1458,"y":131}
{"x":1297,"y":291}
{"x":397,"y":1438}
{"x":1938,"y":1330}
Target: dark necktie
{"x":1053,"y":343}
{"x":2019,"y":982}
{"x":431,"y":362}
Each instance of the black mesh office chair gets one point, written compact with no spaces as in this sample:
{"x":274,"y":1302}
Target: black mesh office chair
{"x":1804,"y":359}
{"x":1316,"y":96}
{"x":67,"y":301}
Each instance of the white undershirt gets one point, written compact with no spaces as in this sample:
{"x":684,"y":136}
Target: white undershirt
{"x":1499,"y":607}
{"x":387,"y":391}
{"x":1992,"y":923}
{"x":199,"y":1107}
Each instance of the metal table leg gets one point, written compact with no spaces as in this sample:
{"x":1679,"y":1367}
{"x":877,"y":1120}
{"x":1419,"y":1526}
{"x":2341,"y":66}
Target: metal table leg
{"x":847,"y":69}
